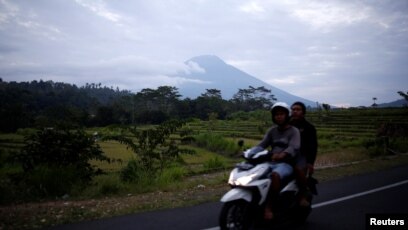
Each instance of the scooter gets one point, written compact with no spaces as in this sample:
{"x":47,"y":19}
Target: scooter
{"x":245,"y":203}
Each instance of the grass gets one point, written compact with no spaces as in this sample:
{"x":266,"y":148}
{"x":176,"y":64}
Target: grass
{"x":359,"y":167}
{"x":198,"y":163}
{"x":203,"y":177}
{"x":216,"y":142}
{"x":116,"y":151}
{"x":341,"y":156}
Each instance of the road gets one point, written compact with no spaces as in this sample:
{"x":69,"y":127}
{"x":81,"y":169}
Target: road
{"x":341,"y":204}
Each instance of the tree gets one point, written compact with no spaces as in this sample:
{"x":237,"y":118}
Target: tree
{"x":253,"y":98}
{"x":167,"y":97}
{"x":210,"y":102}
{"x":55,"y":160}
{"x":374,"y":104}
{"x":326,"y":107}
{"x":186,"y":108}
{"x":212,"y":120}
{"x":104,"y":116}
{"x":29,"y":104}
{"x":404,"y":95}
{"x":319,"y":110}
{"x":163,"y":100}
{"x":153,"y":148}
{"x":212,"y":93}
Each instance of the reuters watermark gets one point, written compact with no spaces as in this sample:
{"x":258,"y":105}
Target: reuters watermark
{"x":386,"y":221}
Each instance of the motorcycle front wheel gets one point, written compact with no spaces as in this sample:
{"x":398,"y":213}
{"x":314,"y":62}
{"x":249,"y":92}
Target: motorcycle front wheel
{"x":236,"y":215}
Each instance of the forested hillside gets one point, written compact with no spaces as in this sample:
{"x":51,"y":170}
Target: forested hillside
{"x":47,"y":103}
{"x":44,"y":103}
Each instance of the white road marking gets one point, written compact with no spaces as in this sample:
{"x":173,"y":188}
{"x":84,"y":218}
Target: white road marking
{"x":347,"y":197}
{"x":359,"y":194}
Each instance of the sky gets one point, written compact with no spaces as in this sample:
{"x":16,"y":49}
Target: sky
{"x":343,"y":53}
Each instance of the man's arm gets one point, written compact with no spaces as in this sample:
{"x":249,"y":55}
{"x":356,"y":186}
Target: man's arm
{"x":293,"y":145}
{"x":267,"y":140}
{"x":311,"y":150}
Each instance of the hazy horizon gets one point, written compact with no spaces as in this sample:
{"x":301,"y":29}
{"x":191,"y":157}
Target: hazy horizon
{"x":339,"y":52}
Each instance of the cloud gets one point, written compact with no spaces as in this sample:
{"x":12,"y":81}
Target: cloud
{"x":252,"y":8}
{"x":287,"y":80}
{"x":178,"y":81}
{"x":11,"y":16}
{"x":148,"y":66}
{"x":46,"y":31}
{"x":7,"y":12}
{"x":127,"y":72}
{"x":193,"y":67}
{"x":334,"y":51}
{"x":100,"y":9}
{"x":136,"y":84}
{"x":326,"y":15}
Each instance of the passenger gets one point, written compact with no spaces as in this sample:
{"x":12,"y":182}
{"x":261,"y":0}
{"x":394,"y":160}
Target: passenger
{"x":284,"y":141}
{"x":308,"y":149}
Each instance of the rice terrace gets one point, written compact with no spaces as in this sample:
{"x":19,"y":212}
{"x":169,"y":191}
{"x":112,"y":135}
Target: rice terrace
{"x":349,"y":140}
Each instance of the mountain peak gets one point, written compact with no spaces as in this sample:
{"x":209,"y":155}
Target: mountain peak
{"x":226,"y":78}
{"x":207,"y":60}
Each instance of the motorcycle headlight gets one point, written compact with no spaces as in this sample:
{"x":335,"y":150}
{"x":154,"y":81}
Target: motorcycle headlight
{"x":245,"y":179}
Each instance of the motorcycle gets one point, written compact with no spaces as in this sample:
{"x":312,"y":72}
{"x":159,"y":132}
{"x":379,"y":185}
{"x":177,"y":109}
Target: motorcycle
{"x":245,"y":203}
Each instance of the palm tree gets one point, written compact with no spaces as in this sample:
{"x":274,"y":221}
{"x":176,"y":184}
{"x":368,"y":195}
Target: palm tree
{"x":374,"y":104}
{"x":404,"y":95}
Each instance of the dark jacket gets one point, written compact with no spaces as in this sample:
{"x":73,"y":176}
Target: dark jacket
{"x":308,"y":139}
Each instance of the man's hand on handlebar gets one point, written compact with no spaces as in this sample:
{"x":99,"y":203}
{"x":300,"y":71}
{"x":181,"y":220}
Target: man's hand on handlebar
{"x":278,"y":156}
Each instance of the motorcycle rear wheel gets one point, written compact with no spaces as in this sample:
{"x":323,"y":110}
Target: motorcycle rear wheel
{"x":236,"y":215}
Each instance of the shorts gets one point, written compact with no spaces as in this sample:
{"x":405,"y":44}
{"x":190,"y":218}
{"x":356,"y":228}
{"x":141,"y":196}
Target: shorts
{"x":282,"y":169}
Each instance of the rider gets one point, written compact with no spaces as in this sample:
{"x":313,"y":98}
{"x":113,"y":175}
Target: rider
{"x":284,"y":141}
{"x":308,"y":149}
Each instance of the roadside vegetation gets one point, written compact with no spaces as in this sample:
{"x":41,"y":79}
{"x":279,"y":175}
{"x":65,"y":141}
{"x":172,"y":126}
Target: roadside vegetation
{"x":54,"y":172}
{"x":199,"y":157}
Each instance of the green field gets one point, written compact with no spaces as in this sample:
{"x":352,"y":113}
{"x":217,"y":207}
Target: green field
{"x":344,"y":136}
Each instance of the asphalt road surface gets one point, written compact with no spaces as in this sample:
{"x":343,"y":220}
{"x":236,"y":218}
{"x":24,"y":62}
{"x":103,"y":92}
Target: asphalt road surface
{"x":341,"y":204}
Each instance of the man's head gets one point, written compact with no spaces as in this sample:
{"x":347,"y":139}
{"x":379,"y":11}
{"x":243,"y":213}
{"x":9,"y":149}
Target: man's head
{"x":298,"y":110}
{"x":280,"y":113}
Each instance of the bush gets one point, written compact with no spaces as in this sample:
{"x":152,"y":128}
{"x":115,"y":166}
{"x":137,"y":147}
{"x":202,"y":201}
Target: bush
{"x":8,"y":190}
{"x":134,"y":172}
{"x":48,"y":181}
{"x":375,"y":147}
{"x":170,"y":175}
{"x":216,"y":143}
{"x":399,"y":145}
{"x":108,"y":187}
{"x":153,"y":147}
{"x":186,"y":134}
{"x":214,"y":163}
{"x":240,"y":115}
{"x":54,"y":160}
